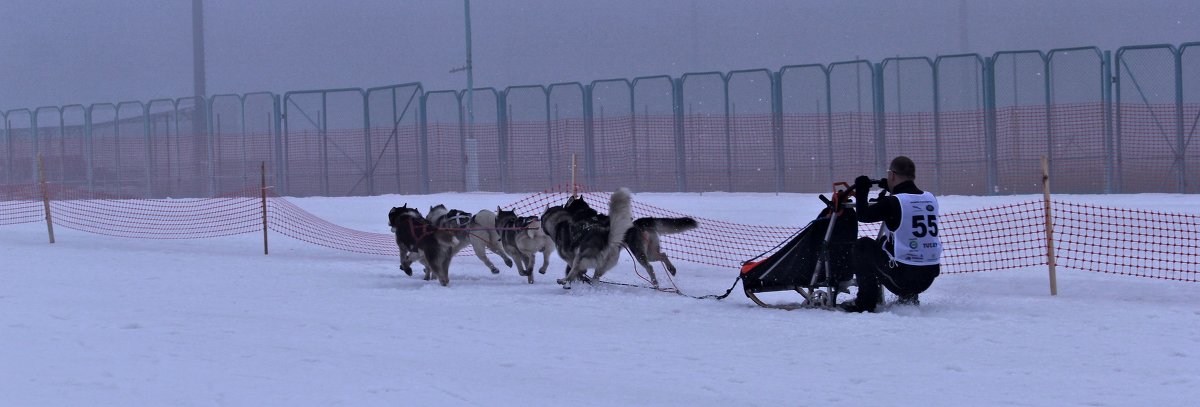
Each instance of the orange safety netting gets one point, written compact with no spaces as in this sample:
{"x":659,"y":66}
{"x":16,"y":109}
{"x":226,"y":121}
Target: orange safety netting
{"x":1087,"y":237}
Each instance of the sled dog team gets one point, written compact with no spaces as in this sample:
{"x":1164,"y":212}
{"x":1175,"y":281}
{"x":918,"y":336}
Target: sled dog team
{"x":581,"y":236}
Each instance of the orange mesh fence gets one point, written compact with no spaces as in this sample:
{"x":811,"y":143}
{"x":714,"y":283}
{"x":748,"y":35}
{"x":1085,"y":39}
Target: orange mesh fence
{"x":290,"y":220}
{"x":1128,"y":242}
{"x":1088,"y":237}
{"x":997,"y":238}
{"x":230,"y":214}
{"x":20,"y":204}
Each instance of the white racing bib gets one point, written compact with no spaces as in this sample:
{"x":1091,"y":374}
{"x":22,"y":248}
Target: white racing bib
{"x":916,"y":241}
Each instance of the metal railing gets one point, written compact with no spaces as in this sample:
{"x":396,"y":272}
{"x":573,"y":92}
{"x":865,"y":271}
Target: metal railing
{"x":1109,"y":122}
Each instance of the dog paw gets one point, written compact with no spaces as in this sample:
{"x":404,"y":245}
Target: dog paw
{"x":508,"y":263}
{"x":542,"y":270}
{"x":406,"y":270}
{"x":671,"y":270}
{"x":495,"y":270}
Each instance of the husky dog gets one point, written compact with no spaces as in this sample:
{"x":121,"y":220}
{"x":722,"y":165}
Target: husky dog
{"x":557,"y":222}
{"x":485,"y":236}
{"x":643,"y":241}
{"x":477,"y":230}
{"x":523,"y":237}
{"x":433,"y":246}
{"x":406,"y":238}
{"x":587,"y":239}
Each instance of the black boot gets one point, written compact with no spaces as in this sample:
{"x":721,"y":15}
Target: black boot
{"x":912,"y":300}
{"x":854,"y":306}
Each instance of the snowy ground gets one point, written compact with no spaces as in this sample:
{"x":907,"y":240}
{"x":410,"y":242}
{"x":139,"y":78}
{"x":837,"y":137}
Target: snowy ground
{"x":94,"y":321}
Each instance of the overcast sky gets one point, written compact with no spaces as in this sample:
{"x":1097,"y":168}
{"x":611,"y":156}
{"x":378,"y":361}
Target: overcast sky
{"x":55,"y":52}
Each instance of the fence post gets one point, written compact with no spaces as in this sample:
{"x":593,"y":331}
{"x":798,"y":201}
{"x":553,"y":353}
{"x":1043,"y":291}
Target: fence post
{"x":370,"y":175}
{"x":989,"y":125}
{"x":45,"y":197}
{"x":1046,"y":64}
{"x":552,"y":172}
{"x":8,"y":157}
{"x":1050,"y":261}
{"x":937,"y":125}
{"x":205,"y":108}
{"x":680,"y":147}
{"x":323,"y":122}
{"x":502,"y":131}
{"x":777,"y":127}
{"x":1180,"y":141}
{"x":89,"y":148}
{"x":880,"y":123}
{"x":280,"y":163}
{"x":1106,"y":85}
{"x":633,"y":137}
{"x":424,"y":141}
{"x":263,"y":191}
{"x":589,"y":134}
{"x":35,"y":158}
{"x":574,"y":183}
{"x":1116,"y":106}
{"x":827,"y":71}
{"x":149,"y":149}
{"x":728,"y":135}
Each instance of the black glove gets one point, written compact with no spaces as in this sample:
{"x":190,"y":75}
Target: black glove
{"x":863,"y":184}
{"x":883,"y":184}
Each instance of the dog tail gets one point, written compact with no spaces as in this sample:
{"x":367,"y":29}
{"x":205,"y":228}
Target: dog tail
{"x":620,"y":215}
{"x":666,"y":226}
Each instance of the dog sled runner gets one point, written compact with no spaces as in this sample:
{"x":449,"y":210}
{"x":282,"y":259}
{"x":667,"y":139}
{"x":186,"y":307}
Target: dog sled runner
{"x":816,"y":262}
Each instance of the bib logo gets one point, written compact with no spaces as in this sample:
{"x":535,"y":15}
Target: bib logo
{"x":929,"y":208}
{"x":912,"y":244}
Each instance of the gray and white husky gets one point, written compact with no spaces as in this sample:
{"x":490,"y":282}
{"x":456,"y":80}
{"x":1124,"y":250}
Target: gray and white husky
{"x":586,"y":239}
{"x":478,"y":230}
{"x":643,"y":241}
{"x":418,"y":239}
{"x":523,"y":238}
{"x":485,"y":236}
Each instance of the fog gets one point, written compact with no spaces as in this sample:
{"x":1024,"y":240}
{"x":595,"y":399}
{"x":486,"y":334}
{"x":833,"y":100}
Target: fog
{"x":85,"y":51}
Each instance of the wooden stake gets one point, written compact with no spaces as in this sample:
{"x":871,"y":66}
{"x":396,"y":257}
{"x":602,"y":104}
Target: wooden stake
{"x":263,"y":170}
{"x":45,"y":197}
{"x":574,"y":186}
{"x":1049,"y":225}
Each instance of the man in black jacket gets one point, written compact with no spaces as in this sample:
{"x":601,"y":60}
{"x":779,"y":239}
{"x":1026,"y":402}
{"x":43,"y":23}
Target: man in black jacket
{"x":906,"y":258}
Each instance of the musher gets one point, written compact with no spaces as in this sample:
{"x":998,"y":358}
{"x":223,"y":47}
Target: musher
{"x":906,"y":259}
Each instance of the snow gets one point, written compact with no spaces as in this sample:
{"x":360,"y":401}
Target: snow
{"x":93,"y":320}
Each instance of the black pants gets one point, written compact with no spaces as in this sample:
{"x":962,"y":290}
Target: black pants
{"x":873,"y":268}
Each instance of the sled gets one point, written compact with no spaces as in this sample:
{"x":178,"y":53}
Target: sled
{"x":815,"y":263}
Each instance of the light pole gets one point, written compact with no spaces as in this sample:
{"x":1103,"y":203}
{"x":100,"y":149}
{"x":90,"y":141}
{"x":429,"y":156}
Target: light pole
{"x":200,"y":111}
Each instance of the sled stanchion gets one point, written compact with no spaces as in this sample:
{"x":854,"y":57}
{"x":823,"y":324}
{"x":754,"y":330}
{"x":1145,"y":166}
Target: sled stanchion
{"x":1050,"y":261}
{"x":45,"y":198}
{"x":263,"y":190}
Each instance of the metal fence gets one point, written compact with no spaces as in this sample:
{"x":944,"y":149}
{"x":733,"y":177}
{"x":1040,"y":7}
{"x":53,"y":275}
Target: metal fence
{"x":1109,"y":122}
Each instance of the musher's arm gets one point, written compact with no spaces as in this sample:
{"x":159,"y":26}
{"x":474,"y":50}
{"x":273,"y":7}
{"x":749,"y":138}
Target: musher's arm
{"x":886,"y":208}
